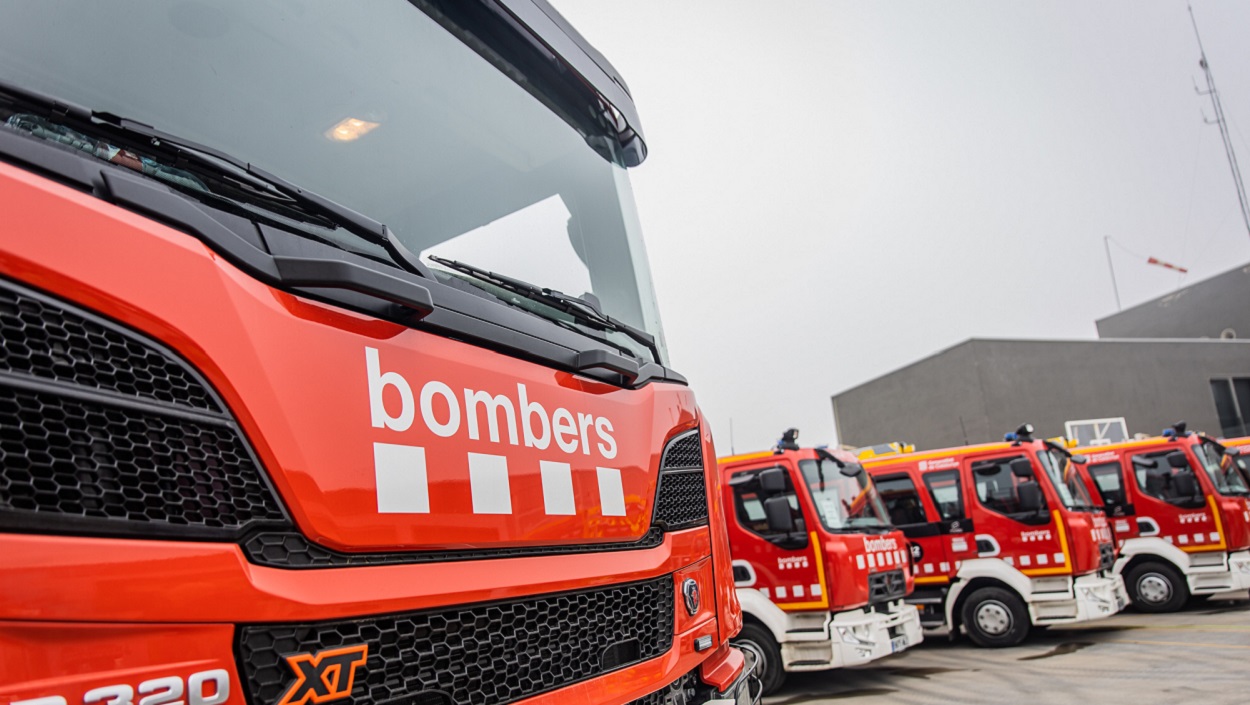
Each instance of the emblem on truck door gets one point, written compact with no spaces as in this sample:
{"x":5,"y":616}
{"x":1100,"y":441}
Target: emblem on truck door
{"x":325,"y":676}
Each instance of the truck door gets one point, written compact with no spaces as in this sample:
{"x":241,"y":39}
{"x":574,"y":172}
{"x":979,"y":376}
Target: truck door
{"x":922,"y":529}
{"x":1108,"y":480}
{"x":1013,"y":515}
{"x":1171,"y":503}
{"x":785,"y":566}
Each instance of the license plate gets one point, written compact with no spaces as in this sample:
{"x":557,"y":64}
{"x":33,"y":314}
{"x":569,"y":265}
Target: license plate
{"x":897,"y":644}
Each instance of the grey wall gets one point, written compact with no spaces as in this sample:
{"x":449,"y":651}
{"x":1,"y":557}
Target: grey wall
{"x":992,"y":386}
{"x":1202,"y":310}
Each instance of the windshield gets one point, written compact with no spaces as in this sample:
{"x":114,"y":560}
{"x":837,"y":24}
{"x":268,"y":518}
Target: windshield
{"x":1222,"y":470}
{"x":1066,"y":479}
{"x":843,"y":503}
{"x":373,"y":105}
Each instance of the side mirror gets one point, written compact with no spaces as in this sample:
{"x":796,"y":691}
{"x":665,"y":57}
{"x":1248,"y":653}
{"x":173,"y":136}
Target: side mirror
{"x":1021,"y":467}
{"x":1078,"y":459}
{"x":1232,"y":451}
{"x":1177,"y":460}
{"x":852,"y":470}
{"x":773,"y":481}
{"x":777,"y":513}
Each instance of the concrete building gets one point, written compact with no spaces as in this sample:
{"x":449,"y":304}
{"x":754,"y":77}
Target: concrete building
{"x":1218,"y":307}
{"x":978,"y":390}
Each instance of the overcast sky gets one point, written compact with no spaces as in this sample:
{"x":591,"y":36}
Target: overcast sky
{"x":838,"y":189}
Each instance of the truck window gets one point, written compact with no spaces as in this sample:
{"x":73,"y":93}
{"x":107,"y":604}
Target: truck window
{"x":1224,"y":473}
{"x":1178,"y":486}
{"x":1065,"y":479}
{"x":1109,"y":479}
{"x":947,"y":494}
{"x":1001,"y":491}
{"x":843,"y":503}
{"x":901,"y":500}
{"x":749,"y":506}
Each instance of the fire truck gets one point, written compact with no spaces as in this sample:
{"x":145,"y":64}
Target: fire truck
{"x":331,"y":369}
{"x":1003,"y":536}
{"x":821,"y":574}
{"x":1177,"y":506}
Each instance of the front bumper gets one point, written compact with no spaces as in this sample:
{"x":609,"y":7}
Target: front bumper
{"x":1233,"y":575}
{"x":1092,"y":597}
{"x":746,"y":690}
{"x":857,"y":637}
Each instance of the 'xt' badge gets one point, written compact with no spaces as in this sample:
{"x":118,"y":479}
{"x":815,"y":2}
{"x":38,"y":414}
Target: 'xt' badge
{"x":325,"y":676}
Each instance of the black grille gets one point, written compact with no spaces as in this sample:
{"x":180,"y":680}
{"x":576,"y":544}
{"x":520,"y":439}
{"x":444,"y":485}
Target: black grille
{"x":681,"y":498}
{"x":883,"y":587}
{"x":679,"y":692}
{"x":1106,"y":556}
{"x":292,"y":550}
{"x":685,"y":451}
{"x":105,"y":432}
{"x":478,"y":655}
{"x":50,"y":341}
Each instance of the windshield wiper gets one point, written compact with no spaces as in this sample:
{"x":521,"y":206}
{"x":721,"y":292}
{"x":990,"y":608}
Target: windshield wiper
{"x":260,"y":187}
{"x":579,"y":309}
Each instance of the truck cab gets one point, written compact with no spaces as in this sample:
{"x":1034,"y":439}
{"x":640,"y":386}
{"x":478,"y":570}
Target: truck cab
{"x":1177,"y":506}
{"x":1003,"y":536}
{"x":820,"y":573}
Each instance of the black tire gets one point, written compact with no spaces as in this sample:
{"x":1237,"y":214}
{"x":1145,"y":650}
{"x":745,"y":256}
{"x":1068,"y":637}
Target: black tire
{"x":1156,"y":587}
{"x":768,"y":666}
{"x":995,"y":617}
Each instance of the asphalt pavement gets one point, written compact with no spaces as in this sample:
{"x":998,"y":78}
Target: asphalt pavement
{"x":1198,"y":655}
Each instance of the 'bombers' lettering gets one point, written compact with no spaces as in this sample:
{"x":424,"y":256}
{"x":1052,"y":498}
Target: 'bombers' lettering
{"x":880,"y":544}
{"x":441,"y":411}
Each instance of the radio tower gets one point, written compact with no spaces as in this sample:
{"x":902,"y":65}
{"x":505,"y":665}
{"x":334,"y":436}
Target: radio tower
{"x":1219,"y":120}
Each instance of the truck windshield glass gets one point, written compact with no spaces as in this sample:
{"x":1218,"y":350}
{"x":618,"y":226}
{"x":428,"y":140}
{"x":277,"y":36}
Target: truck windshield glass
{"x":1222,"y":470}
{"x":1066,"y":479}
{"x":844,"y":503}
{"x":373,"y":105}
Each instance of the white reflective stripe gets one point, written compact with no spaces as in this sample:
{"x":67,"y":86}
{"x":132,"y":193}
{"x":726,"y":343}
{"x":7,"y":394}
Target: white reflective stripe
{"x":488,"y":483}
{"x":557,"y":488}
{"x":872,"y":561}
{"x":889,"y":558}
{"x":399,"y":472}
{"x":611,"y":494}
{"x":816,"y":591}
{"x":798,"y":590}
{"x":859,"y":561}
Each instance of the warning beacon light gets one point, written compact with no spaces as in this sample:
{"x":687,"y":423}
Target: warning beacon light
{"x":1024,"y":434}
{"x":789,"y":440}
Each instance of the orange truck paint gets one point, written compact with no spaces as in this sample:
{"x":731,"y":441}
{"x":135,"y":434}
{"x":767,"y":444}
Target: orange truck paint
{"x":326,"y":397}
{"x":965,"y":542}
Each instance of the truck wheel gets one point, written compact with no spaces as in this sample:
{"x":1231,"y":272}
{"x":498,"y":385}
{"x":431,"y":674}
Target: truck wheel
{"x":995,"y":617}
{"x":768,"y":666}
{"x":1156,"y":587}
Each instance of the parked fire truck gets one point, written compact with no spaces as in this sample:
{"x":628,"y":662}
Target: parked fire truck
{"x":1003,"y":536}
{"x":292,"y":406}
{"x":820,"y":572}
{"x":1177,"y":506}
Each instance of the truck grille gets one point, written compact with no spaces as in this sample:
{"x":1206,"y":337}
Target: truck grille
{"x":884,"y":587}
{"x":486,"y":654}
{"x":681,"y":498}
{"x":105,"y":432}
{"x":679,"y":692}
{"x":1106,"y":556}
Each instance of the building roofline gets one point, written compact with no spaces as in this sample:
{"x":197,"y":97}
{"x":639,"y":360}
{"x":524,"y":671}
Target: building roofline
{"x":1243,"y":268}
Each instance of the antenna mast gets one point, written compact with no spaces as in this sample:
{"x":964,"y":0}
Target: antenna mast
{"x":1219,"y":120}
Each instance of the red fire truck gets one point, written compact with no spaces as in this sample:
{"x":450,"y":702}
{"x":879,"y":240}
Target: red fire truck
{"x":1177,"y":507}
{"x":1003,"y":536}
{"x":820,"y":572}
{"x":292,"y":406}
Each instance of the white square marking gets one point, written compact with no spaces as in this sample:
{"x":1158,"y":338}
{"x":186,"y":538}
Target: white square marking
{"x":816,"y":591}
{"x":611,"y":494}
{"x":1058,"y":558}
{"x":488,"y":484}
{"x":557,"y":488}
{"x":400,"y":475}
{"x":928,"y":568}
{"x":764,"y":591}
{"x":945,"y":566}
{"x":1215,"y":537}
{"x":798,"y":590}
{"x":1043,"y":559}
{"x":781,"y":593}
{"x":872,"y":560}
{"x":859,"y":560}
{"x":1026,"y":561}
{"x":889,"y":558}
{"x":1009,"y":560}
{"x":1183,"y":539}
{"x":1197,"y":538}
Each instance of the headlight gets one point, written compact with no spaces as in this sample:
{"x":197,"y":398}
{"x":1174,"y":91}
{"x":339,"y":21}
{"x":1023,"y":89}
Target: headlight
{"x":860,"y":635}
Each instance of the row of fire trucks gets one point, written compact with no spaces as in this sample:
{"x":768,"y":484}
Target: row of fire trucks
{"x":841,"y":559}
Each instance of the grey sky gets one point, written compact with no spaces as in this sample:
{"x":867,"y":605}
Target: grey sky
{"x":838,"y":189}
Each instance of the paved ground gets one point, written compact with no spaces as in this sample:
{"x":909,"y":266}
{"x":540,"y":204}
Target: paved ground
{"x":1200,"y":655}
